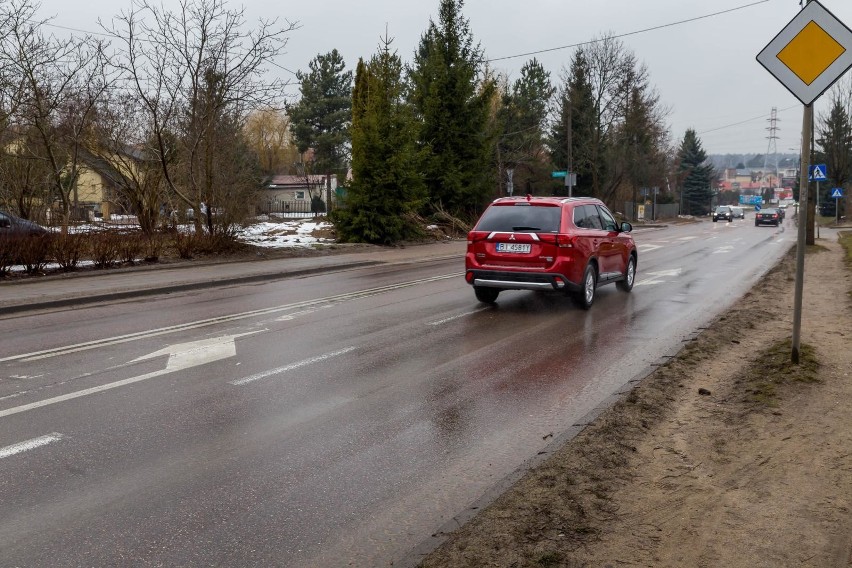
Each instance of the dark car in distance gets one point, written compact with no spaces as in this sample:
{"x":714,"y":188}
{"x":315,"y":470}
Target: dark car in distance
{"x":571,"y":245}
{"x":767,"y":217}
{"x":723,"y":212}
{"x":15,"y":226}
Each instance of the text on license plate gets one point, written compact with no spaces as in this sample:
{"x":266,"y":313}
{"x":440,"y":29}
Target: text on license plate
{"x":513,"y":247}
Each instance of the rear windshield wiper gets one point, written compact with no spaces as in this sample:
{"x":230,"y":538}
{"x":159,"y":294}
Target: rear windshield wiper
{"x":526,"y":228}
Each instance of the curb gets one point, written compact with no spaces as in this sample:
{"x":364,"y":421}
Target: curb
{"x":168,"y":289}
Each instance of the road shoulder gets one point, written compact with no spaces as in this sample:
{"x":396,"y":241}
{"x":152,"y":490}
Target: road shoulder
{"x":701,"y":465}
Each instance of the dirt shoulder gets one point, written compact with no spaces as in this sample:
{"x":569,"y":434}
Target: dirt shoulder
{"x":711,"y":460}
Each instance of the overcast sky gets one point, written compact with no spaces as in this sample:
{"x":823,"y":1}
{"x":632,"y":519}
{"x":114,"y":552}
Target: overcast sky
{"x":705,"y":70}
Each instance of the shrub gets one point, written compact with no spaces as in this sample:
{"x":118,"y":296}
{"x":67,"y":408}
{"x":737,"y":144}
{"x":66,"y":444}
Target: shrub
{"x":7,"y":257}
{"x":67,"y":249}
{"x":33,"y":252}
{"x":104,"y":248}
{"x":153,"y":246}
{"x":186,"y":244}
{"x":130,"y":246}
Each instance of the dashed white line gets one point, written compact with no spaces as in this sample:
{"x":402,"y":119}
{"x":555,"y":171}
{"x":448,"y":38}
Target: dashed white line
{"x":29,"y":445}
{"x":290,"y":367}
{"x":649,"y":248}
{"x":445,"y":320}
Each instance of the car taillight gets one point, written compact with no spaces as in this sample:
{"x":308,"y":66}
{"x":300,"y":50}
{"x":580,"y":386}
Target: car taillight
{"x":548,"y":238}
{"x":563,"y":241}
{"x":469,"y":277}
{"x":476,"y":236}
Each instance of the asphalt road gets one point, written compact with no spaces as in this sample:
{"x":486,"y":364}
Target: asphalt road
{"x":336,"y":419}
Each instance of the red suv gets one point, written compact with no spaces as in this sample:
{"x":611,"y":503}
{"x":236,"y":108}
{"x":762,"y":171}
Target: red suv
{"x":569,"y":244}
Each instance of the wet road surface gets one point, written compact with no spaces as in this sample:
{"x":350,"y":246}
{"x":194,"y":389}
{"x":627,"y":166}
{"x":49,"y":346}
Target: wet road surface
{"x":331,"y":420}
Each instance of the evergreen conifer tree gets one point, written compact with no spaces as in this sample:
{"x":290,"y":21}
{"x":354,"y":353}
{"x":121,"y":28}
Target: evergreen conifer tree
{"x":577,"y":98}
{"x":834,"y":144}
{"x":696,"y":174}
{"x":386,"y":188}
{"x":522,"y":115}
{"x":320,"y":120}
{"x":452,"y":107}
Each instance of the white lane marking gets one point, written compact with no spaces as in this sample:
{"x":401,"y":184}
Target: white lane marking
{"x":181,"y":356}
{"x":648,"y":248}
{"x":656,"y":277}
{"x":723,"y":250}
{"x":451,"y":318}
{"x":36,"y":355}
{"x":290,"y":367}
{"x":29,"y":445}
{"x":687,"y":238}
{"x":78,"y":394}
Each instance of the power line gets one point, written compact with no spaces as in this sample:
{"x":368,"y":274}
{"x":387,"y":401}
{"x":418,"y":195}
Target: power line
{"x":642,"y":31}
{"x":761,"y":117}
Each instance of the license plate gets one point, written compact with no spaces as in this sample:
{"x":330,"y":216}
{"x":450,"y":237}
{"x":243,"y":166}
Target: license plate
{"x":513,"y":247}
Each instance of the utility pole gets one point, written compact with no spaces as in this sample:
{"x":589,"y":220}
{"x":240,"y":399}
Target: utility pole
{"x":570,"y":132}
{"x":807,"y":124}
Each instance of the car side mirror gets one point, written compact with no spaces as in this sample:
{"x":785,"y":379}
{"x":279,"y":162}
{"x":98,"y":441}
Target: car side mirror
{"x":626,"y":227}
{"x":5,"y":223}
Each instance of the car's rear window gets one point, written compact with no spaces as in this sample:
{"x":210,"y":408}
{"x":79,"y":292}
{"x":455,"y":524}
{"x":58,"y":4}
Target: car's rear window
{"x":520,"y":219}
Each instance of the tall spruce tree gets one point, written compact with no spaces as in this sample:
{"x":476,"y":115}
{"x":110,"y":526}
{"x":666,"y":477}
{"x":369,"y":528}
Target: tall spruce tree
{"x":696,"y":175}
{"x":451,"y":102}
{"x":834,"y":143}
{"x":522,"y":116}
{"x":320,"y":119}
{"x":386,"y":188}
{"x":577,"y":100}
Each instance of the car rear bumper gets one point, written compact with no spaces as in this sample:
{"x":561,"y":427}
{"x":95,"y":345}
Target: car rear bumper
{"x":506,"y":280}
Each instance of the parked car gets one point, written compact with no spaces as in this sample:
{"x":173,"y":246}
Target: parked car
{"x":723,"y":212}
{"x":738,"y":212}
{"x":768,"y":216}
{"x":15,"y":226}
{"x":572,"y":245}
{"x":828,"y":208}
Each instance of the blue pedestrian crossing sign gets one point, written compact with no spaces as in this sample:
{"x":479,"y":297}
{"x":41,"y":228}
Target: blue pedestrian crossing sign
{"x":817,"y":173}
{"x":837,"y":193}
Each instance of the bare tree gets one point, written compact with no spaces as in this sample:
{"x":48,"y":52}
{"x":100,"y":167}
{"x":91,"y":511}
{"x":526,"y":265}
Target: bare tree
{"x":196,"y":71}
{"x":55,"y":86}
{"x":268,"y":133}
{"x":119,"y":148}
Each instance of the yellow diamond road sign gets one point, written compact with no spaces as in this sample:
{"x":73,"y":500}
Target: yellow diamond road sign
{"x":812,"y":52}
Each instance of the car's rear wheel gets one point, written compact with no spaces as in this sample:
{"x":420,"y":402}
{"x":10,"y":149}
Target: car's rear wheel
{"x":626,"y":285}
{"x":586,"y":296}
{"x":486,"y":295}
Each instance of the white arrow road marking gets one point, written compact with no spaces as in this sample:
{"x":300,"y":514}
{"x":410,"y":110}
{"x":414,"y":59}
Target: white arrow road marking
{"x":221,"y":319}
{"x":290,"y":367}
{"x":195,"y":353}
{"x":29,"y":445}
{"x":181,"y":356}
